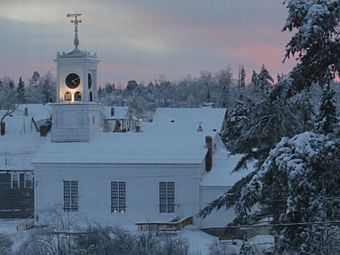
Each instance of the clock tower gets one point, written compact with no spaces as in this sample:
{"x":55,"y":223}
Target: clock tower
{"x":77,"y":114}
{"x":76,"y":72}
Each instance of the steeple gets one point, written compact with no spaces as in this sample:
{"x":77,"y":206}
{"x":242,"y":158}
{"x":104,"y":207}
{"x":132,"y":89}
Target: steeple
{"x":76,"y":71}
{"x":76,"y":22}
{"x":76,"y":116}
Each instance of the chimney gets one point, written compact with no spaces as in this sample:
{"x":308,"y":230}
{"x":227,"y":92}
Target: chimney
{"x":112,"y":111}
{"x":26,"y":111}
{"x":208,"y":156}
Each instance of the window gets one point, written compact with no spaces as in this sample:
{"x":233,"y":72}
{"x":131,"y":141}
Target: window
{"x":118,"y":197}
{"x":28,"y":181}
{"x":90,"y":96}
{"x":77,"y":96}
{"x":22,"y":180}
{"x":166,"y":197}
{"x":67,"y":96}
{"x":15,"y":180}
{"x":71,"y":196}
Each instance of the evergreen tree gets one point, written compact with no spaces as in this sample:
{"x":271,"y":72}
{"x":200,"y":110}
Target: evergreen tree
{"x":235,"y":120}
{"x":35,"y":78}
{"x":254,"y":80}
{"x":47,"y":88}
{"x":327,"y":119}
{"x":131,"y":86}
{"x":21,"y":92}
{"x":11,"y":85}
{"x":224,"y":81}
{"x":7,"y":94}
{"x":265,"y":80}
{"x":304,"y":111}
{"x":297,"y":179}
{"x":316,"y":43}
{"x":242,"y":78}
{"x":302,"y":174}
{"x":246,"y":248}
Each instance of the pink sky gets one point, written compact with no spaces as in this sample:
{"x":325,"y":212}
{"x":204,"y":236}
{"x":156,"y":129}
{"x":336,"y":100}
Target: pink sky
{"x":143,"y":40}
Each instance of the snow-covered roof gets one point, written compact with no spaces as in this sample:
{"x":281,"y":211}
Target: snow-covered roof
{"x":120,"y":112}
{"x":17,"y":150}
{"x":128,"y":148}
{"x":18,"y":124}
{"x":222,"y":173}
{"x":189,"y":119}
{"x":37,"y":111}
{"x":76,"y":53}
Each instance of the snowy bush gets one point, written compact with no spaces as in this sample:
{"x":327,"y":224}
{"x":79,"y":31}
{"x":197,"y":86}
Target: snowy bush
{"x":5,"y":245}
{"x":217,"y":249}
{"x":99,"y":240}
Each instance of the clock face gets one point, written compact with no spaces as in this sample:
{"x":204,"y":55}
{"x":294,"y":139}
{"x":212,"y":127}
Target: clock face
{"x":89,"y":82}
{"x":72,"y":80}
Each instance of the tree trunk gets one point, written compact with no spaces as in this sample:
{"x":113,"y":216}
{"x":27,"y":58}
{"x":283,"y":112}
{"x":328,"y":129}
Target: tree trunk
{"x":2,"y":128}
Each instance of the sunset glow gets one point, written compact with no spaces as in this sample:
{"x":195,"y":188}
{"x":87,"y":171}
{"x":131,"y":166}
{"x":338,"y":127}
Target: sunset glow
{"x":143,"y":40}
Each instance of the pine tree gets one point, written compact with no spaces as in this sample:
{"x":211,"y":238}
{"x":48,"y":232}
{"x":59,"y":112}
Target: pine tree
{"x":299,"y":176}
{"x":242,"y":81}
{"x":302,"y":173}
{"x":327,"y":119}
{"x":316,"y":42}
{"x":254,"y":80}
{"x":224,"y":81}
{"x":265,"y":80}
{"x":11,"y":85}
{"x":35,"y":79}
{"x":246,"y":248}
{"x":236,"y":120}
{"x":21,"y":92}
{"x":304,"y":109}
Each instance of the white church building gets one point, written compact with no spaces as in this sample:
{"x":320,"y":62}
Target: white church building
{"x":170,"y":170}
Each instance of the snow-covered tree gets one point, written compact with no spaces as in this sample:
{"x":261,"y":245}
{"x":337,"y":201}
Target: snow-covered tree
{"x":264,"y":80}
{"x":254,"y":80}
{"x":242,"y":77}
{"x":224,"y":81}
{"x":302,"y":173}
{"x":327,"y":119}
{"x":236,"y":119}
{"x":268,"y":121}
{"x":41,"y":89}
{"x":316,"y":42}
{"x":298,"y":179}
{"x":7,"y":93}
{"x":21,"y":92}
{"x":35,"y":78}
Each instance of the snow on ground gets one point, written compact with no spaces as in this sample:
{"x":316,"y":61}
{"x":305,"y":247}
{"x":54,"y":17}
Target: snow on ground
{"x":260,"y":244}
{"x":9,"y":226}
{"x":199,"y":241}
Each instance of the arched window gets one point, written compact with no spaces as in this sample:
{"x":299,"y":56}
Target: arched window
{"x":90,"y":96}
{"x":67,"y":96}
{"x":77,"y":96}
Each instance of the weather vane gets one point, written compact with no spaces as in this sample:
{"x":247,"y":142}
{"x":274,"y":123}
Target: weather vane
{"x":76,"y":22}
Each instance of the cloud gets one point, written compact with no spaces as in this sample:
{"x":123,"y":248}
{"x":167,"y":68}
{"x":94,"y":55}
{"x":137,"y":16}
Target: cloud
{"x":142,"y":39}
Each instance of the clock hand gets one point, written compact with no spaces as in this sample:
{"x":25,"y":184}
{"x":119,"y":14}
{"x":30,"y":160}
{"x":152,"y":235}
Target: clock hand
{"x":74,"y":80}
